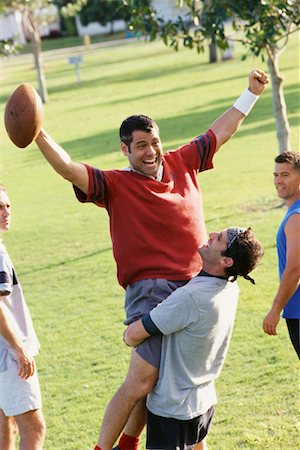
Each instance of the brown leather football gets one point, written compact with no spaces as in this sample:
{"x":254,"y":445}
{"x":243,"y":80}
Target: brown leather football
{"x":23,"y":115}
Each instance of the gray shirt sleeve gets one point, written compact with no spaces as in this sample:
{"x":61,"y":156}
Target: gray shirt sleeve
{"x":175,"y":313}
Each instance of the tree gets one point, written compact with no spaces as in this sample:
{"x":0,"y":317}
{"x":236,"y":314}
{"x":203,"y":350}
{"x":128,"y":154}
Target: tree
{"x":264,"y":26}
{"x":68,"y":23}
{"x":103,"y":11}
{"x":32,"y":20}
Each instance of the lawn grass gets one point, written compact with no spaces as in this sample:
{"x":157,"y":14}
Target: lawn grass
{"x":62,"y":250}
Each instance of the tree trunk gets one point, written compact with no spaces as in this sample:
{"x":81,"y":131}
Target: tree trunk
{"x":279,"y":104}
{"x":38,"y":62}
{"x":213,"y":57}
{"x":112,"y":27}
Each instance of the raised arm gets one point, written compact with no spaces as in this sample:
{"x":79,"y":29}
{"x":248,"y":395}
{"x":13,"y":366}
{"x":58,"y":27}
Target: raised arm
{"x":229,"y":122}
{"x":61,"y":162}
{"x":290,"y":278}
{"x":25,"y":361}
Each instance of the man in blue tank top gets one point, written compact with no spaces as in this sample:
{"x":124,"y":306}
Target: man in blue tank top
{"x":287,"y":183}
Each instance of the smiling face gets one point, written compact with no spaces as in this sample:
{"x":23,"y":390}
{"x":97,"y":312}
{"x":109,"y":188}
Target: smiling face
{"x":145,"y":152}
{"x":212,"y":251}
{"x":287,"y":182}
{"x":4,"y":211}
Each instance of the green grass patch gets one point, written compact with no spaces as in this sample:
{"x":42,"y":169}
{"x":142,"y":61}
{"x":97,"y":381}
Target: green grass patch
{"x":62,"y":250}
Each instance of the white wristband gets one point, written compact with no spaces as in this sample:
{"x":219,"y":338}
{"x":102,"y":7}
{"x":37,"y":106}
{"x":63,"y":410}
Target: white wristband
{"x":245,"y":102}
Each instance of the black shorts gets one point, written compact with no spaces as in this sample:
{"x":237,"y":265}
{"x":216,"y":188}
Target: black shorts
{"x":165,"y":433}
{"x":294,"y":332}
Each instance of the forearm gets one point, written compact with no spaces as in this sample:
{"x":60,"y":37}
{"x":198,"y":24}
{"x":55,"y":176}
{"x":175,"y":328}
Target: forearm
{"x":130,"y":341}
{"x":135,"y":334}
{"x":25,"y":361}
{"x":54,"y":153}
{"x":226,"y":125}
{"x":61,"y":162}
{"x":288,"y":286}
{"x":290,"y":276}
{"x":7,"y":332}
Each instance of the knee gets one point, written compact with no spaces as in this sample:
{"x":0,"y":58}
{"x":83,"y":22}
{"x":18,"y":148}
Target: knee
{"x":140,"y":378}
{"x":39,"y":429}
{"x":148,"y":384}
{"x":140,"y":385}
{"x":33,"y":429}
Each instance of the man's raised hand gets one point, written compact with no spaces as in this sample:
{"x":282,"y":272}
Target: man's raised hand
{"x":258,"y":80}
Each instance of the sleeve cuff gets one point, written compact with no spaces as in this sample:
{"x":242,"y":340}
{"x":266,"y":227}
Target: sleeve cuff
{"x":149,"y":325}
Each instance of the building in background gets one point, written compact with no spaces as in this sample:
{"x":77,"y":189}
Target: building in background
{"x":12,"y":25}
{"x":165,"y":8}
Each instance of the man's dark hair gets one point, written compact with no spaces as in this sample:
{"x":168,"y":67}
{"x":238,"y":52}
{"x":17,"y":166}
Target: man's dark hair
{"x":289,"y":157}
{"x":245,"y":251}
{"x":134,"y":123}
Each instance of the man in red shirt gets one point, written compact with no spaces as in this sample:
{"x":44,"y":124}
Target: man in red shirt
{"x":156,"y":225}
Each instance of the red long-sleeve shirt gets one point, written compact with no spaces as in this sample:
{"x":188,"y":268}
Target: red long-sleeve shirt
{"x":155,"y":226}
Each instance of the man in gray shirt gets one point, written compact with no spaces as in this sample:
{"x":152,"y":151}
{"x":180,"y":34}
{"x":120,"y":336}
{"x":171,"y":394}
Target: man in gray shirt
{"x":196,"y":321}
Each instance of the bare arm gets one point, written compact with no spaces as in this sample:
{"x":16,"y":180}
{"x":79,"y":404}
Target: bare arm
{"x":229,"y":122}
{"x":61,"y":162}
{"x":290,"y":277}
{"x":135,"y":333}
{"x":26,"y":362}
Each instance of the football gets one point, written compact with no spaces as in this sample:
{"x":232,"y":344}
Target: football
{"x":23,"y":115}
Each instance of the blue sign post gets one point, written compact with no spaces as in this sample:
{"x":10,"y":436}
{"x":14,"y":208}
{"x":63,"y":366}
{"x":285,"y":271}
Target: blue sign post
{"x":75,"y":61}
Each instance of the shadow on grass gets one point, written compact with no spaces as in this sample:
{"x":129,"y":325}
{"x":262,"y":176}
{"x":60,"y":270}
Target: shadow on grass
{"x":160,"y":93}
{"x":108,"y":80}
{"x":88,"y":60}
{"x":66,"y":262}
{"x":130,"y":77}
{"x":133,"y":76}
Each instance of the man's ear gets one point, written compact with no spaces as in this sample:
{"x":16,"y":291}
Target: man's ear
{"x":124,"y":149}
{"x":228,"y":261}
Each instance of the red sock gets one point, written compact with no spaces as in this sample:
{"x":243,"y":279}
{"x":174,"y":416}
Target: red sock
{"x":97,"y":448}
{"x":128,"y":442}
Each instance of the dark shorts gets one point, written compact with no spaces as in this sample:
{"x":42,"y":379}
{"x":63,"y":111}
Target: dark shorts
{"x":171,"y":434}
{"x":142,"y":297}
{"x":294,"y":332}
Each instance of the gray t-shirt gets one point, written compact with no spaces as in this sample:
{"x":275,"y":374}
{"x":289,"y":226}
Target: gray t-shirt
{"x":196,"y":321}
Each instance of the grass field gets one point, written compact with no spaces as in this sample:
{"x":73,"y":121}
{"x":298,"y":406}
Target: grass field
{"x":62,"y":250}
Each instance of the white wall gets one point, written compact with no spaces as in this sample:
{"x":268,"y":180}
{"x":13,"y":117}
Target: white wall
{"x":11,"y":27}
{"x":94,"y":28}
{"x":48,"y":17}
{"x":166,"y":8}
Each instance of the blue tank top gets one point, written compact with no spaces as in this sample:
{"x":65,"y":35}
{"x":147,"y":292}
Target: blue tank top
{"x":292,"y":308}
